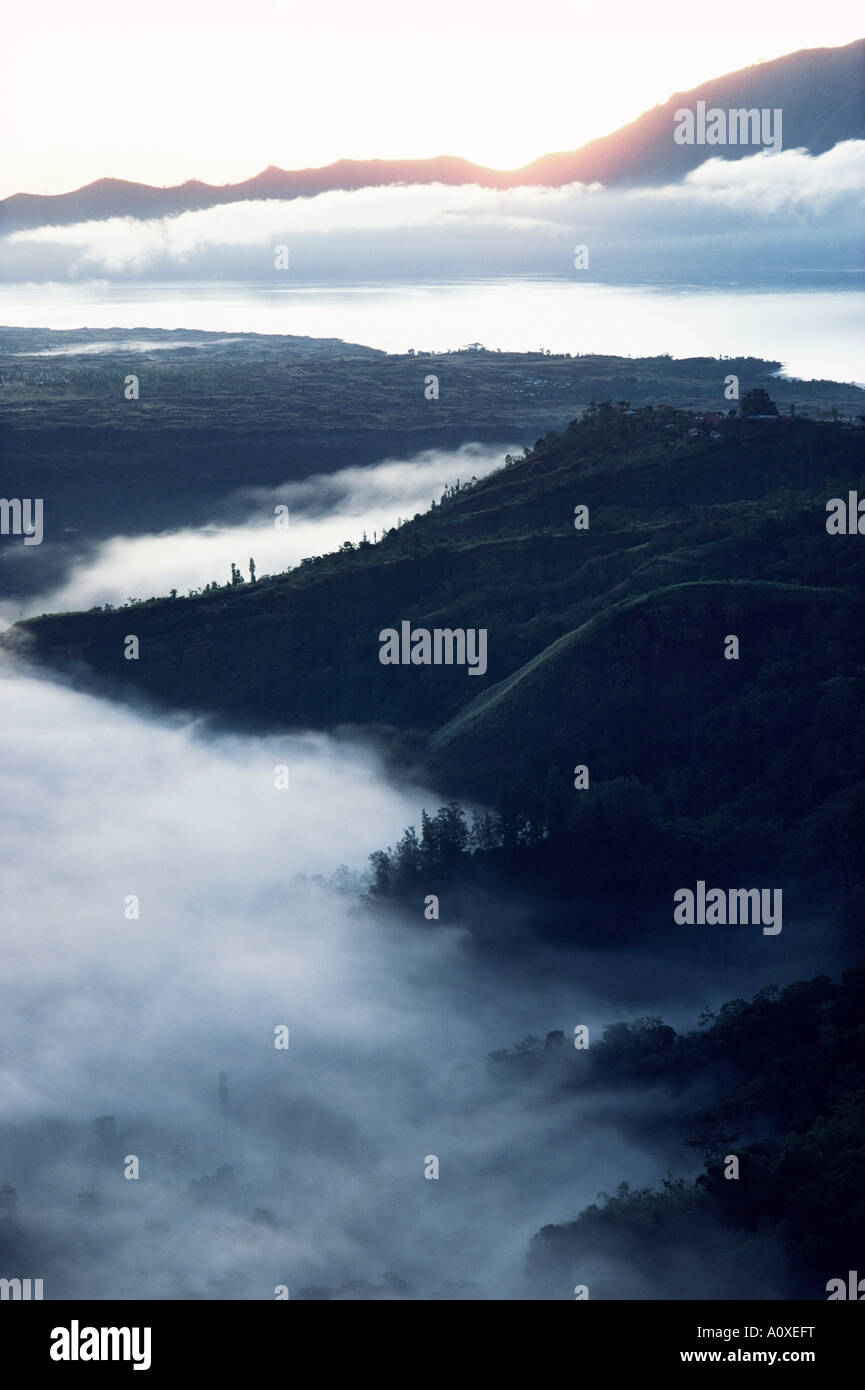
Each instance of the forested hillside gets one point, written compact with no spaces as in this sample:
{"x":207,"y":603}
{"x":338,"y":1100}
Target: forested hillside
{"x":606,"y":649}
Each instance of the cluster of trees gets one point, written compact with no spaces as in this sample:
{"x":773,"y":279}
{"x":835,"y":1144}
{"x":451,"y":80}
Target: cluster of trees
{"x":237,"y":577}
{"x":540,"y":832}
{"x":444,"y":839}
{"x":785,"y":1070}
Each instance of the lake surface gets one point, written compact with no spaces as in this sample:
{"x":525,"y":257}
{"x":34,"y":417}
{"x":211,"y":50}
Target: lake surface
{"x":812,"y":332}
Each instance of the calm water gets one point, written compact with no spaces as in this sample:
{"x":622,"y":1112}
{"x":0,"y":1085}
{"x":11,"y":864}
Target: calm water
{"x":813,"y":332}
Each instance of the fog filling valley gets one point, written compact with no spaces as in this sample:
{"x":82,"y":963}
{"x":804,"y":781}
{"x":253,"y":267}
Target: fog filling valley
{"x":321,"y":512}
{"x":304,"y":1166}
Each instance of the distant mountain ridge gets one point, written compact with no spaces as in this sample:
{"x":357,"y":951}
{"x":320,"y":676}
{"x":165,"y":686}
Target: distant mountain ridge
{"x":821,"y":92}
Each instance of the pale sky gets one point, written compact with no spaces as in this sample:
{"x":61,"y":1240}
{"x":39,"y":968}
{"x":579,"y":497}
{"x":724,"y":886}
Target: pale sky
{"x":178,"y":89}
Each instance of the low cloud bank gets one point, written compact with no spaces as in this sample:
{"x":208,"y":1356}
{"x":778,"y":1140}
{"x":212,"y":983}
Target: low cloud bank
{"x":789,"y":205}
{"x":323,"y":511}
{"x":151,"y":1037}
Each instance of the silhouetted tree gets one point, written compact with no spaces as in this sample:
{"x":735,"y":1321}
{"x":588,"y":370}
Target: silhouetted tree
{"x":758,"y":402}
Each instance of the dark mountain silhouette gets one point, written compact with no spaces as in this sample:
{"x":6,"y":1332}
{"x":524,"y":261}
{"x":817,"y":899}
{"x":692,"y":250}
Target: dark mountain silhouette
{"x":821,"y":92}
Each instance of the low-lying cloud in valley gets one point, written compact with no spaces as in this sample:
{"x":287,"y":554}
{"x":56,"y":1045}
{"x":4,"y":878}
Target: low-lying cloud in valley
{"x":145,"y":1028}
{"x":722,"y":218}
{"x":306,"y":1168}
{"x":324,"y":511}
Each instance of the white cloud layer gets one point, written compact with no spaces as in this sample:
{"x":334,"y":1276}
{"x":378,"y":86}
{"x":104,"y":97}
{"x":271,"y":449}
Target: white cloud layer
{"x":324,"y":510}
{"x":337,"y":232}
{"x":136,"y":1019}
